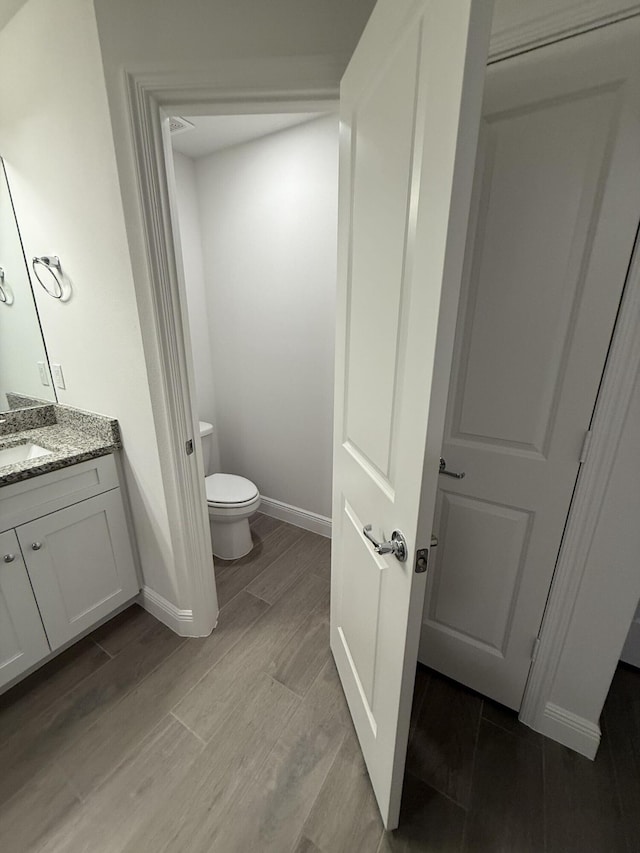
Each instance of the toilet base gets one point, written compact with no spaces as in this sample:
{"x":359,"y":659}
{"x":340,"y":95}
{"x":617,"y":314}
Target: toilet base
{"x":231,"y":539}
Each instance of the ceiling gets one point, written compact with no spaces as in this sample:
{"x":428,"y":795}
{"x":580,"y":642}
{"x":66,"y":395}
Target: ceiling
{"x":8,"y":8}
{"x":212,"y":133}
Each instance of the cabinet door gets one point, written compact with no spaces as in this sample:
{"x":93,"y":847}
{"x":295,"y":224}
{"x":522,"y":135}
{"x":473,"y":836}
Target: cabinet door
{"x":80,"y":564}
{"x":22,"y":638}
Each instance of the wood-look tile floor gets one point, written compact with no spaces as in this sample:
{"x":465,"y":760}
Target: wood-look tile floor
{"x":138,"y":740}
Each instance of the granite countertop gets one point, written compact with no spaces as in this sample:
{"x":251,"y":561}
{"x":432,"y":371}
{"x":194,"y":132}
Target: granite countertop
{"x":70,"y":434}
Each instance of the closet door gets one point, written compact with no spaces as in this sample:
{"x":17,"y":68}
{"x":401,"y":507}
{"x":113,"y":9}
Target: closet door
{"x":22,"y":638}
{"x":556,"y":206}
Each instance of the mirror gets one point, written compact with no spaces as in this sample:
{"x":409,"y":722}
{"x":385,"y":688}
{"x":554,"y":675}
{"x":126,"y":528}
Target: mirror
{"x":23,"y":356}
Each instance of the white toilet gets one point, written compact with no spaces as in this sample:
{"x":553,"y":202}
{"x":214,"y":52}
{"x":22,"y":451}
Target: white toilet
{"x":231,"y":501}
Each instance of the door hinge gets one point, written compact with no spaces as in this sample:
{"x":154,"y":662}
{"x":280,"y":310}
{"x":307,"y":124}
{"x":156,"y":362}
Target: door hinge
{"x":534,"y":650}
{"x":188,"y":445}
{"x":585,"y":446}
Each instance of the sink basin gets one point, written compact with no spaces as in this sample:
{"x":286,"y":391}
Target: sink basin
{"x":22,"y":452}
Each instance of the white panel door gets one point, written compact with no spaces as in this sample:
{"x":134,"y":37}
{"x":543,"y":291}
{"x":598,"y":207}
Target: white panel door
{"x":410,"y":109}
{"x":22,"y":639}
{"x":554,"y":215}
{"x":80,"y":564}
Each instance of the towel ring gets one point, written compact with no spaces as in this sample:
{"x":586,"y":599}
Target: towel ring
{"x":3,"y":293}
{"x":50,"y":263}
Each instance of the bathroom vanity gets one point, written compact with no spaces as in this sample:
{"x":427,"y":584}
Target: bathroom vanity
{"x":66,"y":556}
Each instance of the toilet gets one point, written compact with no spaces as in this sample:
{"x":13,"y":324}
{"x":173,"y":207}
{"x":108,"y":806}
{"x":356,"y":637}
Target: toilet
{"x":231,"y":500}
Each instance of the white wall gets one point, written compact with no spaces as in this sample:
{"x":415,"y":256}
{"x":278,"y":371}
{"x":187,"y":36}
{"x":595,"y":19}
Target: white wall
{"x":269,"y":227}
{"x":191,"y":242}
{"x":268,"y":214}
{"x":193,"y":34}
{"x":55,"y":135}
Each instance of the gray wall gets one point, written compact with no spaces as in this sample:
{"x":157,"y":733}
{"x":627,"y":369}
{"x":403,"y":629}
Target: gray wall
{"x":55,"y":135}
{"x":268,"y":225}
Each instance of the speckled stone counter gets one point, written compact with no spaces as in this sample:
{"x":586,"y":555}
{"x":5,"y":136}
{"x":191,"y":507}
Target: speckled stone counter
{"x":70,"y":434}
{"x":20,"y":401}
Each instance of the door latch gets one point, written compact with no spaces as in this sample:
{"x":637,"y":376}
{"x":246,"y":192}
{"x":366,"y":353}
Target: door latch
{"x":422,"y":560}
{"x":188,"y":446}
{"x":422,"y":556}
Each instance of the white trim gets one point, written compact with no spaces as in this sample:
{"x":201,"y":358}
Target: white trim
{"x":295,"y":515}
{"x":570,"y":730}
{"x":188,"y":517}
{"x":612,"y":405}
{"x":529,"y":33}
{"x":288,"y":83}
{"x":180,"y":621}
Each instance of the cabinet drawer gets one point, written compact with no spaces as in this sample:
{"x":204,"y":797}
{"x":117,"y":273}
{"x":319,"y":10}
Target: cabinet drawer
{"x":80,"y":564}
{"x":22,"y":639}
{"x":29,"y":499}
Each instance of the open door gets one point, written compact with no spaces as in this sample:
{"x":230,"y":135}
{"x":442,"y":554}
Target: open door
{"x":410,"y":112}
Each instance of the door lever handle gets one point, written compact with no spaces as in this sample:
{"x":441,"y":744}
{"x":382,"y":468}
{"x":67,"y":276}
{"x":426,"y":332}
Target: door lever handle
{"x":397,"y":546}
{"x":443,"y":470}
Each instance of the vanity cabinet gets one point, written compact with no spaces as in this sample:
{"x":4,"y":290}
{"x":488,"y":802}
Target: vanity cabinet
{"x":70,"y":568}
{"x":23,"y":641}
{"x":80,"y":564}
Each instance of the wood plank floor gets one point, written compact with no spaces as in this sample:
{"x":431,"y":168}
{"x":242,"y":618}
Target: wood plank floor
{"x":137,"y":740}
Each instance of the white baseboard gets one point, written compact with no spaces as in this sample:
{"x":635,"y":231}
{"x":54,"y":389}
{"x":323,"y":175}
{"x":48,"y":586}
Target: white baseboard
{"x":631,"y":651}
{"x":180,"y":621}
{"x":570,"y":730}
{"x":296,"y":516}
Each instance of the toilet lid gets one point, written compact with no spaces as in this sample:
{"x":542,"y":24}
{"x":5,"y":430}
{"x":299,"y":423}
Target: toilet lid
{"x":229,"y":489}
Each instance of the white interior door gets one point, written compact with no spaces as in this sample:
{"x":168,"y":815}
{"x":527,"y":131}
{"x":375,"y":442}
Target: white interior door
{"x":554,"y":214}
{"x":410,"y":109}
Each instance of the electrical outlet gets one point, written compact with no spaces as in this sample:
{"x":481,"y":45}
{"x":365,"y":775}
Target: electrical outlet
{"x":44,"y":373}
{"x":58,"y":376}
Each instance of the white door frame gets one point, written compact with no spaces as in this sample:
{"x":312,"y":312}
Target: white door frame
{"x":621,"y":370}
{"x":236,"y":86}
{"x":288,"y":84}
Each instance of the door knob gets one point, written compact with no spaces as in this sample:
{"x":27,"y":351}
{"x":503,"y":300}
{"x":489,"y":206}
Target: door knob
{"x":9,"y":558}
{"x":36,"y":546}
{"x":397,"y":546}
{"x":443,"y":470}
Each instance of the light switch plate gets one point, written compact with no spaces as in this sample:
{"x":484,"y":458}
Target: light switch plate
{"x":58,"y":376}
{"x":44,"y":373}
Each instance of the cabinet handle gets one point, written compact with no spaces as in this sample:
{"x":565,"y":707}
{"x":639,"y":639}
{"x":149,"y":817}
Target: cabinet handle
{"x":9,"y":558}
{"x":36,"y":546}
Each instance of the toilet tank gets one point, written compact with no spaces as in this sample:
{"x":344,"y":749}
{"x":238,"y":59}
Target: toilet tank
{"x":206,"y":431}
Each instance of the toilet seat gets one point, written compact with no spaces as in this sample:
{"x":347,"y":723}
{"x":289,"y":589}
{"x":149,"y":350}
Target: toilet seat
{"x":229,"y":490}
